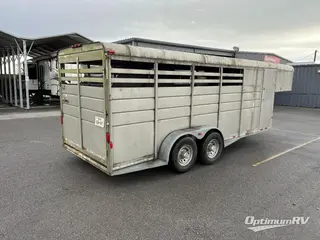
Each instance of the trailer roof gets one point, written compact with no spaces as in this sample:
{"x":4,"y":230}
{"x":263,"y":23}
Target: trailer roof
{"x":142,"y":52}
{"x":135,"y":41}
{"x":185,"y":47}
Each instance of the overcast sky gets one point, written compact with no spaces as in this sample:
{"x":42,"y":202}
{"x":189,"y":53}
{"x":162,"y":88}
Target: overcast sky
{"x":290,"y":28}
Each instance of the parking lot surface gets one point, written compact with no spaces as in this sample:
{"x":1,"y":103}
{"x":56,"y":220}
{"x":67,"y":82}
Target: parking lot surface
{"x":47,"y":193}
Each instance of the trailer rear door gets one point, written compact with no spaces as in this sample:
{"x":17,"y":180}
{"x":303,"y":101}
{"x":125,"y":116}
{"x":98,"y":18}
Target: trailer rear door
{"x":267,"y":100}
{"x":83,"y":107}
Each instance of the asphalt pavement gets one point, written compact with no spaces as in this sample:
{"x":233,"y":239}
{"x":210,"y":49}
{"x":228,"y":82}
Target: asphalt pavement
{"x":47,"y":193}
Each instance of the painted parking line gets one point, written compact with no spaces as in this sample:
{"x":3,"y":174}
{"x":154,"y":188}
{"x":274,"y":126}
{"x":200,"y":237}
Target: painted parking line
{"x":287,"y":151}
{"x":290,"y":131}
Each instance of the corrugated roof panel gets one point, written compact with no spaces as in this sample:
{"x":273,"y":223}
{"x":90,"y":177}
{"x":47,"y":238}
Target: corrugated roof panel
{"x":43,"y":46}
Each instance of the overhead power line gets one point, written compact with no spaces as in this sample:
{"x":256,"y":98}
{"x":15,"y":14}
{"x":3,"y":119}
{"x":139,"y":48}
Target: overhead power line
{"x":305,"y":57}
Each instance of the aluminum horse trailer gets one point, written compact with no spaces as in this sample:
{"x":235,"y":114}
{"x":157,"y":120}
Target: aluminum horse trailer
{"x":126,"y":108}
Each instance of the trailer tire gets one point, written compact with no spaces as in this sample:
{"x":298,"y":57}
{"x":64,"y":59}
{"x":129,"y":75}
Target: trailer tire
{"x":211,"y":148}
{"x":184,"y":154}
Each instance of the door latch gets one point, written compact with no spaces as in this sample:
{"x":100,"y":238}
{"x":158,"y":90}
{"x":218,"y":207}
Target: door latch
{"x":65,"y":100}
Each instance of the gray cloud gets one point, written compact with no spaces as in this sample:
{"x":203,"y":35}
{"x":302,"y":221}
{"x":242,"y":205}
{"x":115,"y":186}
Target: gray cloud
{"x":287,"y":27}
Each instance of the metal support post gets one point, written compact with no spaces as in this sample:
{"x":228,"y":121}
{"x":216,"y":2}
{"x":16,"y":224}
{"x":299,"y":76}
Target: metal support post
{"x":241,"y":108}
{"x":20,"y":77}
{"x":252,"y":124}
{"x":19,"y":52}
{"x":261,"y":98}
{"x":79,"y":103}
{"x":5,"y":77}
{"x":14,"y":78}
{"x":220,"y":94}
{"x":156,"y":100}
{"x":192,"y":94}
{"x":1,"y":80}
{"x":9,"y":77}
{"x":26,"y":72}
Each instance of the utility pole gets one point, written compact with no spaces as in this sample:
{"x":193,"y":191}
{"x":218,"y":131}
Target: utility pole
{"x":315,"y":56}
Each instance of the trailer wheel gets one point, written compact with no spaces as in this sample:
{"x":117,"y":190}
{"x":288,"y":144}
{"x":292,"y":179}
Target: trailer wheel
{"x":183,"y":154}
{"x":211,"y":148}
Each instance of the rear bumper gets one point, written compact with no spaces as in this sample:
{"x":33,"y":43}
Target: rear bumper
{"x":87,"y":159}
{"x":129,"y":169}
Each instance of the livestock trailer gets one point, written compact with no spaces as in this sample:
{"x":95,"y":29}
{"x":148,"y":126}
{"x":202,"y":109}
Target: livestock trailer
{"x":127,"y":108}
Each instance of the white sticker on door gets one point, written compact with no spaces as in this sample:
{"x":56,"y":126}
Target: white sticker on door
{"x":99,"y":121}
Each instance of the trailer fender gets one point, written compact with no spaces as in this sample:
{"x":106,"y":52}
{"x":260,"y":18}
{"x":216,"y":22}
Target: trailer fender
{"x":167,"y":144}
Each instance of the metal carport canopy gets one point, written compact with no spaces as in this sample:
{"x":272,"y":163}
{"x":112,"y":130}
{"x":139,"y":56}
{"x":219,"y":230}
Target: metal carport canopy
{"x":11,"y":49}
{"x":43,"y":46}
{"x":46,"y":46}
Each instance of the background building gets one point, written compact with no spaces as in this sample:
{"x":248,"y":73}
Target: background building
{"x":305,"y":93}
{"x":305,"y":87}
{"x":306,"y":83}
{"x":262,"y":56}
{"x":258,"y":56}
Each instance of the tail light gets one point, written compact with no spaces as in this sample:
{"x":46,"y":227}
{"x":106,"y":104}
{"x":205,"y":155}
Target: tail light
{"x":111,"y":52}
{"x":61,"y":120}
{"x":76,"y":45}
{"x":108,"y":137}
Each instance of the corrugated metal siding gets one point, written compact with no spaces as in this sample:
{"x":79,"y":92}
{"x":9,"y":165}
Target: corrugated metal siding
{"x":305,"y":88}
